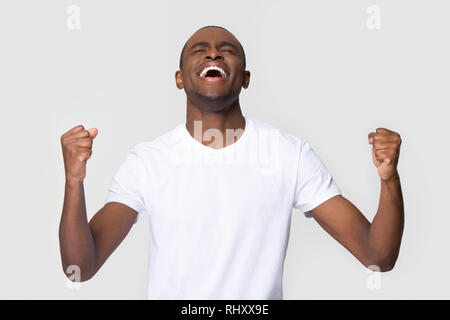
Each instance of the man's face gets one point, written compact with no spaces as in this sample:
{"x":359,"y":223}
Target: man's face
{"x":212,"y":66}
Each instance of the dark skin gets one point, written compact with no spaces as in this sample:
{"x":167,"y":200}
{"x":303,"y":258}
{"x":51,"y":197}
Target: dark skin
{"x":216,"y":104}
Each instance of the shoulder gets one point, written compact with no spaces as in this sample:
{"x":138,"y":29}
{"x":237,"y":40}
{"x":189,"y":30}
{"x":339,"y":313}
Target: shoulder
{"x":164,"y":142}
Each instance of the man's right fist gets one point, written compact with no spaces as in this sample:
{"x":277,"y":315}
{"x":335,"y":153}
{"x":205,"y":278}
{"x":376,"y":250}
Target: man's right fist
{"x":77,"y":149}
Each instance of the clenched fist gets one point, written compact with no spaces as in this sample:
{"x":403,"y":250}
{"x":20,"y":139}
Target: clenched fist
{"x":385,"y":152}
{"x":77,"y":149}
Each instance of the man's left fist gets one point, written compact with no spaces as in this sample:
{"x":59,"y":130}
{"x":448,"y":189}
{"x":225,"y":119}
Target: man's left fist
{"x":385,"y":152}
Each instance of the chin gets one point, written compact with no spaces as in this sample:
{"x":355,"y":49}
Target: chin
{"x":214,"y":103}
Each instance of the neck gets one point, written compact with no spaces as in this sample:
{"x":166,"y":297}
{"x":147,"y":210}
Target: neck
{"x":215,"y":129}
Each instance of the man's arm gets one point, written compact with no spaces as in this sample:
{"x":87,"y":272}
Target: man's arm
{"x":82,"y":244}
{"x":88,"y":245}
{"x":376,"y":243}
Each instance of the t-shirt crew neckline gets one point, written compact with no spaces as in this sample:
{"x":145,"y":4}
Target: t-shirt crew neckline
{"x":232,"y":146}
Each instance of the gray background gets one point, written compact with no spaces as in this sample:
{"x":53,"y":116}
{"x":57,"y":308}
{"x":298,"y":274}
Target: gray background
{"x":317,"y":72}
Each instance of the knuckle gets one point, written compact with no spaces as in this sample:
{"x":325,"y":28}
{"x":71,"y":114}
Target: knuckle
{"x":87,"y":142}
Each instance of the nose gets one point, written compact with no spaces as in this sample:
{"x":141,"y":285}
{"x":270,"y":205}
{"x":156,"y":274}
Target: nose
{"x":214,"y":55}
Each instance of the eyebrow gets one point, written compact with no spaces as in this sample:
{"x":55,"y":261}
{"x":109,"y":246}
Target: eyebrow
{"x":220,"y":44}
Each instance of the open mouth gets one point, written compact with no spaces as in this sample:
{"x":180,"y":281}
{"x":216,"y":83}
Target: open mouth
{"x":213,"y":73}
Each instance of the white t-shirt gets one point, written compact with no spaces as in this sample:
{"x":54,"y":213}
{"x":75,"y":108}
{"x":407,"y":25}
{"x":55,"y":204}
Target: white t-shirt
{"x":220,"y":218}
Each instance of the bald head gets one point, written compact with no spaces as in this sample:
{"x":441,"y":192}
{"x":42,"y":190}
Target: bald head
{"x":199,"y":30}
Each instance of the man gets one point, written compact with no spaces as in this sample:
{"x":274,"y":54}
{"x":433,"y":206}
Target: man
{"x":219,"y":191}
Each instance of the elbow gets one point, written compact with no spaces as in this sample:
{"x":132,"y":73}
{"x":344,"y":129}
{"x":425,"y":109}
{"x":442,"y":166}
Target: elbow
{"x":387,"y":267}
{"x":380,"y":265}
{"x":75,"y":273}
{"x":381,"y":260}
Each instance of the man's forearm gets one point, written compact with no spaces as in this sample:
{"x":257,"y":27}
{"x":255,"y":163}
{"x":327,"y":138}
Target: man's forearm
{"x":75,"y":238}
{"x":386,"y":230}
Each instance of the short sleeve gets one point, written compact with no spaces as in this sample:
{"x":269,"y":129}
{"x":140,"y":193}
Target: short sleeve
{"x":126,"y":186}
{"x":315,"y":184}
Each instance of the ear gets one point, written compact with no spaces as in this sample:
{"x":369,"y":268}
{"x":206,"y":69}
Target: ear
{"x":179,"y":79}
{"x":246,"y":81}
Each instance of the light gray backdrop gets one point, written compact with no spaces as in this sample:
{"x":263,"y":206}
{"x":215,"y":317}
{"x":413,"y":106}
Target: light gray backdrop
{"x":329,"y":72}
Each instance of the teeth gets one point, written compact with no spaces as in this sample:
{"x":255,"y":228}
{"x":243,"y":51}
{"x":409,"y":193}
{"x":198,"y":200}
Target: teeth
{"x":222,"y":72}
